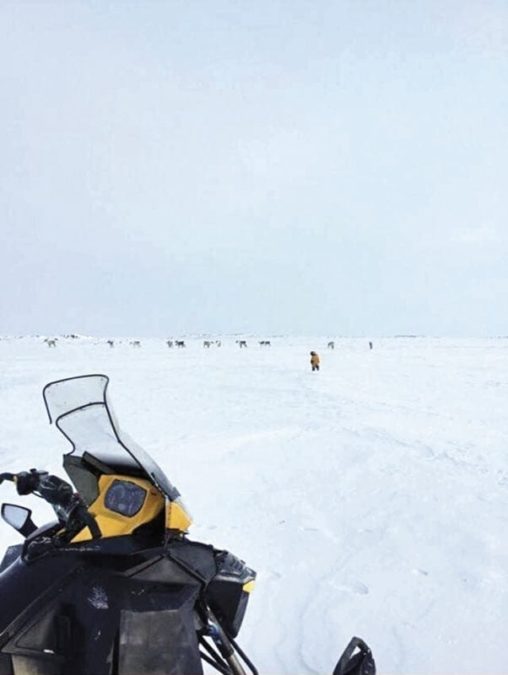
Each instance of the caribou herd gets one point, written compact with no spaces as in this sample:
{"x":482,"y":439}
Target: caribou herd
{"x":179,"y":344}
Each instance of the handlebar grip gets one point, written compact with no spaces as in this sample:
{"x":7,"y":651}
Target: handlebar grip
{"x":28,"y":481}
{"x":68,"y":505}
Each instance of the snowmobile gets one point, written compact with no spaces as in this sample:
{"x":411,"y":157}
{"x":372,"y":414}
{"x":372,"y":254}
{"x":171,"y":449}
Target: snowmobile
{"x":114,"y":586}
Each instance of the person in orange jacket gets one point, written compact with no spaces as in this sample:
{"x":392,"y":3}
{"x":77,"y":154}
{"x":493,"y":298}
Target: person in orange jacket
{"x":314,"y":360}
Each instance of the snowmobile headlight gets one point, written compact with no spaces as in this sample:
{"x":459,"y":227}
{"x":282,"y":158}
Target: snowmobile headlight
{"x":125,"y":498}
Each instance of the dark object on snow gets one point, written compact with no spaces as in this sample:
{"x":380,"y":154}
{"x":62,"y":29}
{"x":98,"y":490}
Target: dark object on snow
{"x":357,"y":659}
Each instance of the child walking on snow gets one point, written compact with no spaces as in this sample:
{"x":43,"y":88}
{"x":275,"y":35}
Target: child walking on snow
{"x":314,"y":361}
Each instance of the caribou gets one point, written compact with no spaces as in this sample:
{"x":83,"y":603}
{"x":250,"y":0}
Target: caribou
{"x":209,"y":343}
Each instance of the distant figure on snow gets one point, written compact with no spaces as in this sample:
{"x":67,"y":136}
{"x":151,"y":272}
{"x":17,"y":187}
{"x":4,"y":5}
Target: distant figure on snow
{"x":314,"y":361}
{"x":371,"y":345}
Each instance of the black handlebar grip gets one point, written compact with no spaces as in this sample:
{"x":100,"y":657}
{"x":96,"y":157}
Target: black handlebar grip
{"x":6,"y":476}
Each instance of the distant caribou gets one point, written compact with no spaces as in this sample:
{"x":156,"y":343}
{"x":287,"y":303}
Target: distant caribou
{"x":180,"y":343}
{"x":169,"y":343}
{"x":111,"y":343}
{"x":51,"y":342}
{"x":265,"y":343}
{"x":331,"y":344}
{"x":135,"y":343}
{"x":241,"y":343}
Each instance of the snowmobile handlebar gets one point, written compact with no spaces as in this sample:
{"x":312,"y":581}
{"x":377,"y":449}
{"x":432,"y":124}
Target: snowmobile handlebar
{"x":70,"y":509}
{"x":26,"y":481}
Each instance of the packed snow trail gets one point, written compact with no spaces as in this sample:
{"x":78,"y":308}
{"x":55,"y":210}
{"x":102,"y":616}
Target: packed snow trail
{"x":371,"y":497}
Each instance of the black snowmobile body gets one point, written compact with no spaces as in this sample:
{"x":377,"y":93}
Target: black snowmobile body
{"x":108,"y":606}
{"x":114,"y":586}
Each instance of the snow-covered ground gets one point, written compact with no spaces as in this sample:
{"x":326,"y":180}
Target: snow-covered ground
{"x":371,"y":497}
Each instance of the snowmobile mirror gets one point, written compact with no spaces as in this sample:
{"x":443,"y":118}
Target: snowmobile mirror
{"x":357,"y":659}
{"x":19,"y":518}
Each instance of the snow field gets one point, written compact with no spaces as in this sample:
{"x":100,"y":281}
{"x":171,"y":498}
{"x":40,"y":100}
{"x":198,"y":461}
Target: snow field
{"x":370,"y":497}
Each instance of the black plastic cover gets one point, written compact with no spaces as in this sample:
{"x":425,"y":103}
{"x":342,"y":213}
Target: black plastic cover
{"x":225,"y":593}
{"x":159,"y":643}
{"x":10,"y":555}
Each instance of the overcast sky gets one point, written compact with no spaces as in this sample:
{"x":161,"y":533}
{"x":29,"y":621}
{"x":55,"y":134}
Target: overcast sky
{"x":300,"y":166}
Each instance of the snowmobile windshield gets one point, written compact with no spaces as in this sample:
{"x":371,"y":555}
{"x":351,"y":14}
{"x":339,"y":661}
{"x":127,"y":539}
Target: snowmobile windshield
{"x":80,"y":409}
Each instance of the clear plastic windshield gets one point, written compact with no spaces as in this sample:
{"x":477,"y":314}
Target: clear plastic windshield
{"x":79,"y":408}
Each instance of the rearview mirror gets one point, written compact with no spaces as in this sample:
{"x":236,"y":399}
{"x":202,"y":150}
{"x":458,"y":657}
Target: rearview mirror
{"x":357,"y":659}
{"x":19,"y":518}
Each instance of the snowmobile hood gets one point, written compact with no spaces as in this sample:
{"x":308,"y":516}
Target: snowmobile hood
{"x":79,"y":408}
